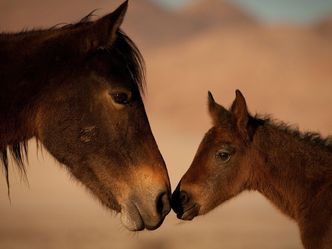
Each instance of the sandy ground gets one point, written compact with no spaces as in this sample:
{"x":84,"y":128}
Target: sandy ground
{"x":285,"y":71}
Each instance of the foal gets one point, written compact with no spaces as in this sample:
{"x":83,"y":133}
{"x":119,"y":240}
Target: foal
{"x":240,"y":152}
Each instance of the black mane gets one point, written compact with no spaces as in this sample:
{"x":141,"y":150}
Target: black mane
{"x":123,"y":46}
{"x":126,"y":49}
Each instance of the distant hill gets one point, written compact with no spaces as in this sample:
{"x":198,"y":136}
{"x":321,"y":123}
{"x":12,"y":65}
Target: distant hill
{"x":147,"y":23}
{"x":268,"y":63}
{"x":324,"y":27}
{"x":151,"y":25}
{"x":209,"y":13}
{"x":16,"y":15}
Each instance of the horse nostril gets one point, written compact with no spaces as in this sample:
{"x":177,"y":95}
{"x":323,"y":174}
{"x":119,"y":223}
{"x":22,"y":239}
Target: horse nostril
{"x":163,"y":204}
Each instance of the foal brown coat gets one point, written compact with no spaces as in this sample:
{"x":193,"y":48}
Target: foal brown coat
{"x":292,"y":169}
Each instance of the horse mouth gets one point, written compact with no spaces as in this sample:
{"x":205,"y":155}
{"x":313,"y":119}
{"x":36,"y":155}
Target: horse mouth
{"x":190,"y":213}
{"x":136,"y":220}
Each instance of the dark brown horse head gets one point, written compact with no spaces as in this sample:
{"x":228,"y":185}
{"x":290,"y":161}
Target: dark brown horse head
{"x":83,"y":103}
{"x":218,"y":171}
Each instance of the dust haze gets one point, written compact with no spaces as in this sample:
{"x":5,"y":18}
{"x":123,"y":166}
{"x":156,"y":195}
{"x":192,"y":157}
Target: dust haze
{"x":283,"y":70}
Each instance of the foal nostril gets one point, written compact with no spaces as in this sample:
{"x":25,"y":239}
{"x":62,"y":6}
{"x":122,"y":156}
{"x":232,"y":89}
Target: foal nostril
{"x":163,"y":204}
{"x":184,"y":197}
{"x":180,"y":200}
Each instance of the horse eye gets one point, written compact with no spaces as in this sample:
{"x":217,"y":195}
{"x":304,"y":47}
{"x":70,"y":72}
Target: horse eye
{"x":121,"y":98}
{"x":223,"y":156}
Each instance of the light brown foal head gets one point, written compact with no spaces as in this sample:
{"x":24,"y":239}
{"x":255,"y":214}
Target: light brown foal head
{"x":220,"y":169}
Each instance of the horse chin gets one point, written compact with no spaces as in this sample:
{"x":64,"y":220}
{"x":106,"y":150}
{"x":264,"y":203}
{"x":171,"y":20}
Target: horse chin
{"x":131,"y":219}
{"x":136,"y":220}
{"x":190,"y":213}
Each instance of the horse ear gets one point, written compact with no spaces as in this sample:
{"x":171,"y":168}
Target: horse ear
{"x":240,"y":113}
{"x":217,"y":112}
{"x":103,"y":32}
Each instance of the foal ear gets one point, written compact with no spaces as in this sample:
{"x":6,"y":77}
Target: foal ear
{"x":103,"y":32}
{"x":217,"y":112}
{"x":240,"y":113}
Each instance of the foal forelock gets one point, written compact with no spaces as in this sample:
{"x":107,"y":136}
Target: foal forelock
{"x":123,"y":50}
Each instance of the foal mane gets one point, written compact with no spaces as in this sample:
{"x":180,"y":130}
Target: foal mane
{"x":313,"y":138}
{"x":122,"y":49}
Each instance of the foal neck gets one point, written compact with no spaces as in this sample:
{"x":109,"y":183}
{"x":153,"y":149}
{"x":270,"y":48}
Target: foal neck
{"x":293,"y":169}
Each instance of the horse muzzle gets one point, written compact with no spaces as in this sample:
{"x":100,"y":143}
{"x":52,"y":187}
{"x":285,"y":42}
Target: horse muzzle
{"x":141,"y":213}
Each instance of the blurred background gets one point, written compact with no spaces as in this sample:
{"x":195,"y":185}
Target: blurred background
{"x":278,"y":52}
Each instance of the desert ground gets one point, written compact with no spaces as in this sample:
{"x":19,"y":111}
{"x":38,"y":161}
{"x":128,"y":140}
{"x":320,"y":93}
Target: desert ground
{"x":283,"y":70}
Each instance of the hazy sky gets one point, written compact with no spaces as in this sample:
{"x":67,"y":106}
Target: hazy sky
{"x":277,"y":10}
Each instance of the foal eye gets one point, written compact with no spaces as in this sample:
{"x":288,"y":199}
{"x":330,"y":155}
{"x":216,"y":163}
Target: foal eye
{"x":121,"y":98}
{"x":223,"y":156}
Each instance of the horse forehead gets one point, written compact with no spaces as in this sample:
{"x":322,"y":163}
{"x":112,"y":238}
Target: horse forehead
{"x":111,"y":82}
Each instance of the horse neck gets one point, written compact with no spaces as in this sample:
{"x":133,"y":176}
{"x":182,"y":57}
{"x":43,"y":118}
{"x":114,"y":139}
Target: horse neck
{"x":19,"y":87}
{"x":291,"y":170}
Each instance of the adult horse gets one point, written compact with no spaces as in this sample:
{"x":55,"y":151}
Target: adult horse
{"x":241,"y":152}
{"x":77,"y":90}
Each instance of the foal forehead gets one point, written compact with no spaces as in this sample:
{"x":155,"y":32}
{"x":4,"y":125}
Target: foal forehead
{"x":221,"y":135}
